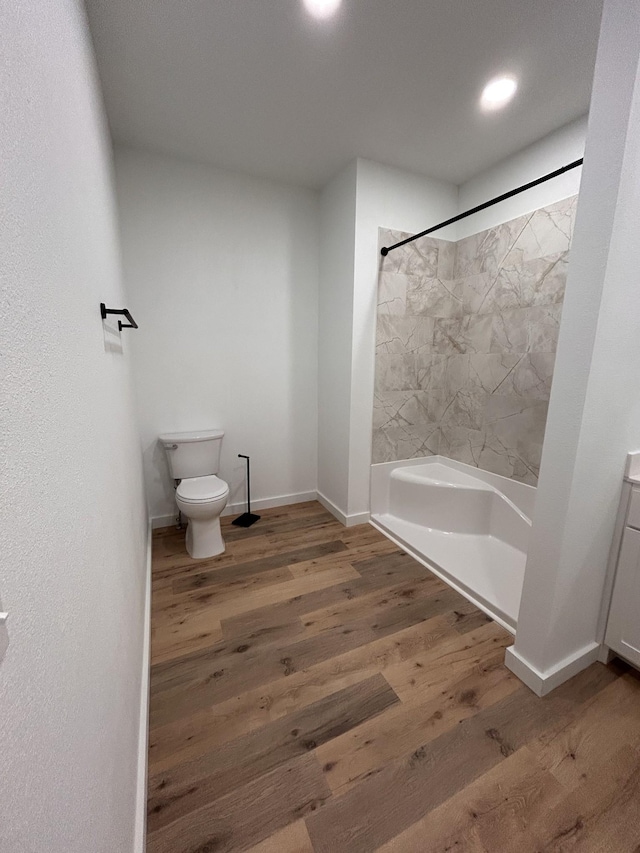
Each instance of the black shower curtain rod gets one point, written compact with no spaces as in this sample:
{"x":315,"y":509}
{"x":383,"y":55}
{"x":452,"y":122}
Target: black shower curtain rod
{"x":386,"y":249}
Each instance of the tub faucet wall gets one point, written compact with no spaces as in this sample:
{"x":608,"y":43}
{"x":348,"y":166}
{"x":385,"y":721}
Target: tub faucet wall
{"x":466,"y":341}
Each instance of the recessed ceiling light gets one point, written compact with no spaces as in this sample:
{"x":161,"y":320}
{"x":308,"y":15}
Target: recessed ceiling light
{"x":322,"y":8}
{"x":498,"y":92}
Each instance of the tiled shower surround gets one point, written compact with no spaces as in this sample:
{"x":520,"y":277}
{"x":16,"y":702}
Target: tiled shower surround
{"x":466,"y":340}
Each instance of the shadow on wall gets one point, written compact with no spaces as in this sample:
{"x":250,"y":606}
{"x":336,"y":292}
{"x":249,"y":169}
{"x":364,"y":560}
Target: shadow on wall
{"x":300,"y":252}
{"x":465,"y":343}
{"x":155,"y":461}
{"x":112,"y":336}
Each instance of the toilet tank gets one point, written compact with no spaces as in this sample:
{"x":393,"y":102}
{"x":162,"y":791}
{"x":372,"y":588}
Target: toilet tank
{"x":193,"y":454}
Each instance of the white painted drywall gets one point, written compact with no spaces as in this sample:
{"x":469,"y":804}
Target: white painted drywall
{"x":359,"y":200}
{"x":335,"y":298}
{"x":594,"y":413}
{"x":557,"y":149}
{"x":222,"y":275}
{"x":389,"y":198}
{"x":73,"y":531}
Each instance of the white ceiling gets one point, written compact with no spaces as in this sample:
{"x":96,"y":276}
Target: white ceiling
{"x":258,"y":86}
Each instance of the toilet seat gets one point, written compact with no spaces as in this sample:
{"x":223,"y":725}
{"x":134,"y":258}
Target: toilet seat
{"x":199,"y":490}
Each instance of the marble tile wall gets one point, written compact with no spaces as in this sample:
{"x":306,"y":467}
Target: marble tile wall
{"x":465,"y":343}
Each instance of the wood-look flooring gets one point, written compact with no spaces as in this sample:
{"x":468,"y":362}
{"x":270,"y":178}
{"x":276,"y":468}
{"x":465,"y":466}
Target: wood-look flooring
{"x":316,"y":690}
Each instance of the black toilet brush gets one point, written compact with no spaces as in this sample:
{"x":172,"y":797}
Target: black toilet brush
{"x":247,"y":518}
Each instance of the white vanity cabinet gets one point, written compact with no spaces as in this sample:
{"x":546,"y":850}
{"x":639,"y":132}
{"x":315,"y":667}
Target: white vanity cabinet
{"x":623,"y":624}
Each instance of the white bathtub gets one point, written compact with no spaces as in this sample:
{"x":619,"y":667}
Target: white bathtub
{"x":469,"y":526}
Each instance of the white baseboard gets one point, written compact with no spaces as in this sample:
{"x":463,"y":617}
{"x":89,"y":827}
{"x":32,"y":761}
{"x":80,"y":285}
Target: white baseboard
{"x":605,"y":654}
{"x":279,"y":500}
{"x":237,"y":508}
{"x":358,"y":518}
{"x":140,"y":837}
{"x":333,"y":509}
{"x":343,"y":518}
{"x":544,"y":682}
{"x":269,"y":503}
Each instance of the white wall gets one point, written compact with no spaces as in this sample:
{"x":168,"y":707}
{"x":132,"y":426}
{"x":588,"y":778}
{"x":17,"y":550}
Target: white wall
{"x":221,"y":271}
{"x":386,"y":198}
{"x":594,"y":413}
{"x":359,"y":200}
{"x":73,"y":531}
{"x":337,"y":258}
{"x":559,"y":148}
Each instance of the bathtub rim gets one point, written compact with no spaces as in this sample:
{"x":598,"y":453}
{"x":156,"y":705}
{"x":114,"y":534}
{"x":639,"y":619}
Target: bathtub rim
{"x":403,"y":472}
{"x":522,"y":495}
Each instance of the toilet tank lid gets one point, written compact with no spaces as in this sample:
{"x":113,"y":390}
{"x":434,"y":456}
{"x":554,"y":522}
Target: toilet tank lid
{"x":196,"y":435}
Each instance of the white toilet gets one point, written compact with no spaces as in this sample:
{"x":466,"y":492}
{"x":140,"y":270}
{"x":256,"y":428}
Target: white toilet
{"x":194,"y":460}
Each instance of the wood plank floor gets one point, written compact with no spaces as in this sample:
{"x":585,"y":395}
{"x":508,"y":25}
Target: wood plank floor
{"x":316,"y":690}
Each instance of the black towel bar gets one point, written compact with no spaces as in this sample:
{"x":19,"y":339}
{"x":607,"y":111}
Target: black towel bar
{"x":130,"y":325}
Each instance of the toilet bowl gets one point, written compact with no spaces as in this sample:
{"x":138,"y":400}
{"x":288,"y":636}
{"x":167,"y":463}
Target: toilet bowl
{"x":201,"y":500}
{"x":194,"y":461}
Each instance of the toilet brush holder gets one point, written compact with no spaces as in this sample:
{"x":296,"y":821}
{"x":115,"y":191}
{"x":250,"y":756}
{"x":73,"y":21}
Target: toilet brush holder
{"x":247,"y":518}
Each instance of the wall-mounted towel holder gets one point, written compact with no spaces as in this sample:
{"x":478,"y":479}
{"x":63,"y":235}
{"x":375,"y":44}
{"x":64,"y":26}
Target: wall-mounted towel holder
{"x":130,"y":325}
